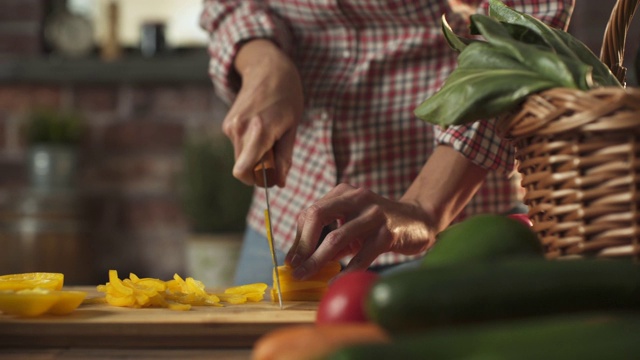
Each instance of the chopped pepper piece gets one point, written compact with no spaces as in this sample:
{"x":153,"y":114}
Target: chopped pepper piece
{"x":44,"y":280}
{"x":310,"y":289}
{"x":36,"y":302}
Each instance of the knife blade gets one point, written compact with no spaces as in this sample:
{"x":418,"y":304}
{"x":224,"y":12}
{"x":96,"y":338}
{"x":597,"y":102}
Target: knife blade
{"x":264,"y":174}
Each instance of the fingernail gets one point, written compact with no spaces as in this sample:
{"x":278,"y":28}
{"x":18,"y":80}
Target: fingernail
{"x":299,"y":273}
{"x":296,"y":260}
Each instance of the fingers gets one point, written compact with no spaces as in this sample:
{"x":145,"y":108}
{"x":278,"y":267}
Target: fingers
{"x":364,"y":231}
{"x":311,"y":222}
{"x":377,"y":245}
{"x":252,"y":138}
{"x":255,"y":143}
{"x":366,"y":237}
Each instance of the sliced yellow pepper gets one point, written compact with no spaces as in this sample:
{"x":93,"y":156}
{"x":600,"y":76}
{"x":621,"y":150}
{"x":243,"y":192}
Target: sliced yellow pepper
{"x":248,"y":288}
{"x":174,"y":294}
{"x":26,"y":303}
{"x":117,"y":284}
{"x":233,"y":298}
{"x":303,"y":295}
{"x":255,"y":296}
{"x":310,"y":289}
{"x":44,"y":280}
{"x":36,"y":302}
{"x":68,"y":302}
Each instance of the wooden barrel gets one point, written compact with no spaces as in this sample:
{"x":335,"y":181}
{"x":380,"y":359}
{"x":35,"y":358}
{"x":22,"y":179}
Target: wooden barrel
{"x":44,"y":232}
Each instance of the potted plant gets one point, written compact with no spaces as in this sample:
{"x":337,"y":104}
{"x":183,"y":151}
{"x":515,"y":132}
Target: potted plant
{"x":52,"y":137}
{"x":216,"y":206}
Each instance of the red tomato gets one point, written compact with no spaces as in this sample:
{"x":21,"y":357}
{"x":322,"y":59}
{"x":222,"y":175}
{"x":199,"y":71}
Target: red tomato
{"x":344,"y":300}
{"x":523,"y":218}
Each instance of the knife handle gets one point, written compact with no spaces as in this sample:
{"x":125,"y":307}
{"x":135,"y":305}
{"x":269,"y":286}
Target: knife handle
{"x":269,"y":164}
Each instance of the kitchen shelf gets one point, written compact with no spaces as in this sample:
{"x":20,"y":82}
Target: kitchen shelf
{"x":180,"y":66}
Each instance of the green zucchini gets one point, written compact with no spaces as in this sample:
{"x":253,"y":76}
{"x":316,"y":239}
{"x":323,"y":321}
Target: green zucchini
{"x":483,"y":237}
{"x":562,"y":337}
{"x":428,"y":297}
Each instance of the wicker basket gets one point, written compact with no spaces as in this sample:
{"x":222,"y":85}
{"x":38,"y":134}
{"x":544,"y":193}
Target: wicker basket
{"x":579,"y":158}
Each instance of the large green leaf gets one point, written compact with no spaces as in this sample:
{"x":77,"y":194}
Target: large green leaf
{"x":547,"y":64}
{"x":602,"y":75}
{"x":471,"y":95}
{"x":457,"y":43}
{"x":521,"y":56}
{"x":499,"y":11}
{"x":558,"y":40}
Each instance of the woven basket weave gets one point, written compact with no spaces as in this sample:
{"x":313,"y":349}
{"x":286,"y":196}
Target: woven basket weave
{"x":579,"y":158}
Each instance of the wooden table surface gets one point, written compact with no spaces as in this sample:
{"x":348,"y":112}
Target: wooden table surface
{"x":101,"y":331}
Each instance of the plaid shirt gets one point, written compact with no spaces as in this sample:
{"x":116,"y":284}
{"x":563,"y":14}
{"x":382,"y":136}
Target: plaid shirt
{"x":366,"y":65}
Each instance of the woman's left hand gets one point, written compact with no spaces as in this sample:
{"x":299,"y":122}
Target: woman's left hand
{"x":367,"y":226}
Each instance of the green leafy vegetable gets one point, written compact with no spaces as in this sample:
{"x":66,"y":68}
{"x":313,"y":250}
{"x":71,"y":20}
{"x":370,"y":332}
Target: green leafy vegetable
{"x":493,"y":86}
{"x":558,"y":40}
{"x":520,"y":55}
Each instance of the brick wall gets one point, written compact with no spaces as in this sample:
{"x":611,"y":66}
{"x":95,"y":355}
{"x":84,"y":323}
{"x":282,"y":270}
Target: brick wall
{"x":20,"y":24}
{"x":130,"y":163}
{"x":131,"y":156}
{"x":130,"y":159}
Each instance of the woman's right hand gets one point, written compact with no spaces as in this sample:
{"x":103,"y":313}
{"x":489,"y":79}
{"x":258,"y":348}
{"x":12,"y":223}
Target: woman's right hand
{"x":266,"y":111}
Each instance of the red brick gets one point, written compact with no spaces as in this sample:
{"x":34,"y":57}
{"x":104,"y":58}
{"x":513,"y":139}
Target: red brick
{"x":143,"y":135}
{"x":136,"y":213}
{"x":13,"y":174}
{"x":172,"y":99}
{"x":154,"y":212}
{"x":20,"y":44}
{"x":21,"y":10}
{"x":95,"y":98}
{"x":22,"y":98}
{"x":140,"y":234}
{"x":135,"y":173}
{"x":3,"y":132}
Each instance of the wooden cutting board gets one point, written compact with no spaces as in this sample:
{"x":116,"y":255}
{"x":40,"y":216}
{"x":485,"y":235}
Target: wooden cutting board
{"x":106,"y":326}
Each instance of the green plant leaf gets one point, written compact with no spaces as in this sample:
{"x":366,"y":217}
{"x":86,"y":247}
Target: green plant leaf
{"x":602,"y":75}
{"x":52,"y":126}
{"x":501,"y":12}
{"x":471,"y":95}
{"x":558,"y":40}
{"x":545,"y":63}
{"x":457,"y":43}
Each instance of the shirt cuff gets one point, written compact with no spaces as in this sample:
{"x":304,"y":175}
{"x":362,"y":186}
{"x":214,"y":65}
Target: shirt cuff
{"x":480,"y":143}
{"x":243,"y":24}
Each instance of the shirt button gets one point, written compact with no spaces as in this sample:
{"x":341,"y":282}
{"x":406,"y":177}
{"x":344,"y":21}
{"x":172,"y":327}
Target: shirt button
{"x":346,"y":54}
{"x":324,"y":116}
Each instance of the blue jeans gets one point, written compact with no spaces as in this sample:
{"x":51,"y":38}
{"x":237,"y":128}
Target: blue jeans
{"x":255,"y":264}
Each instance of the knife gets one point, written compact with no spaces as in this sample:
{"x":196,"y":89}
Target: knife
{"x":264,"y":174}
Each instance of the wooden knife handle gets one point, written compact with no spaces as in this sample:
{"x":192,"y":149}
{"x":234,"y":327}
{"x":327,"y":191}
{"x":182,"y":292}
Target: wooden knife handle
{"x":269,"y":166}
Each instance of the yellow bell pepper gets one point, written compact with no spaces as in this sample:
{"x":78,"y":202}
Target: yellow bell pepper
{"x":174,"y":294}
{"x":68,"y":301}
{"x":44,"y":280}
{"x":248,"y":288}
{"x":36,"y":302}
{"x":311,"y":289}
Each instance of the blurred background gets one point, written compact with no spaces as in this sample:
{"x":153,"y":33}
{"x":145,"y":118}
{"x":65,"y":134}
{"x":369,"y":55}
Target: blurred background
{"x":111,"y":153}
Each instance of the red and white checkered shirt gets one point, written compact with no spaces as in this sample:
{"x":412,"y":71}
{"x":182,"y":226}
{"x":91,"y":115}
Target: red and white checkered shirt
{"x":366,"y":65}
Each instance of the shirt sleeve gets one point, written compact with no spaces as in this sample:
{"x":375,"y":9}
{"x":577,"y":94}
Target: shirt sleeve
{"x":229,"y":24}
{"x":479,"y":141}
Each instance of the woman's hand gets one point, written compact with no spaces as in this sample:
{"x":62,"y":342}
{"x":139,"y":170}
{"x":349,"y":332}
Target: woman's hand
{"x":266,"y":111}
{"x":368,"y":225}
